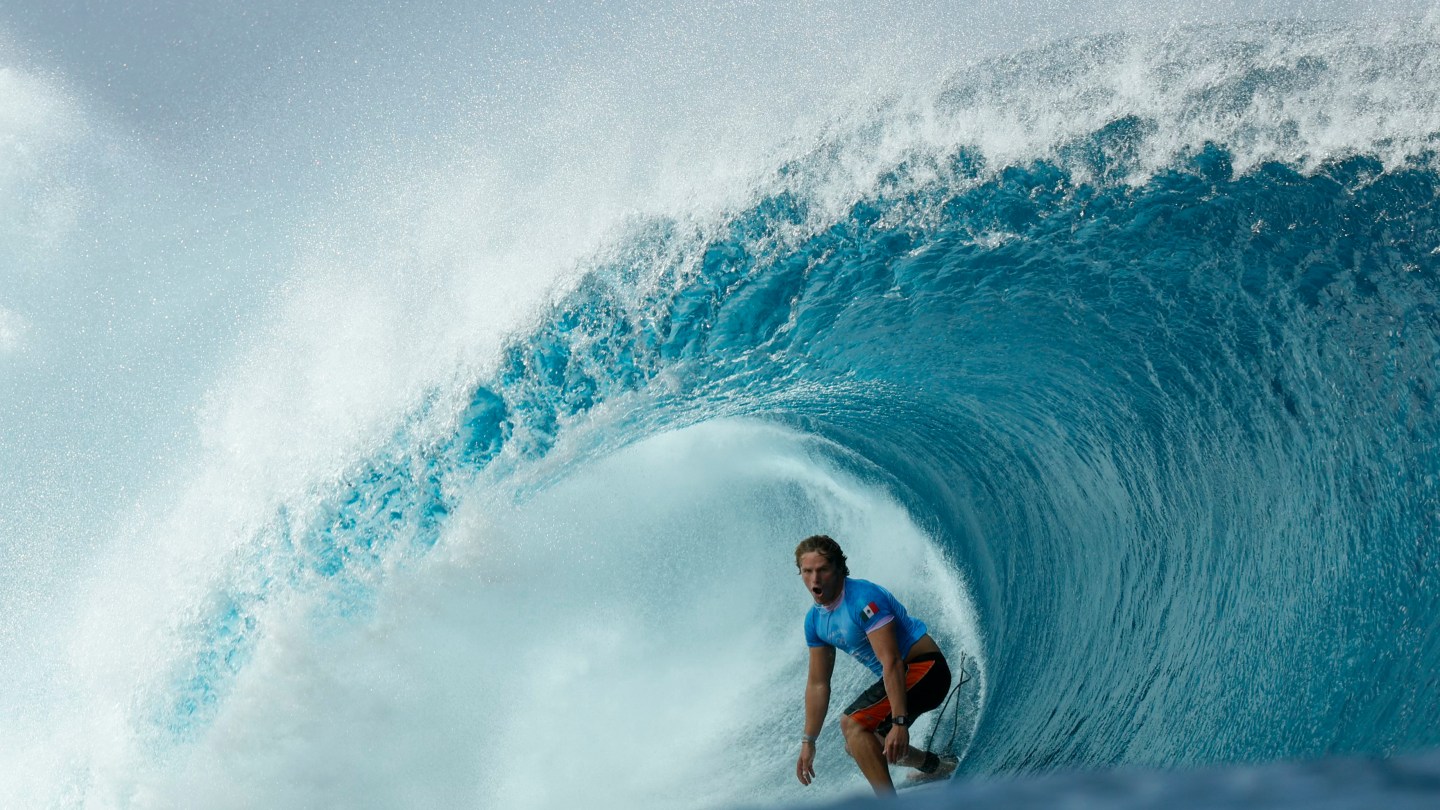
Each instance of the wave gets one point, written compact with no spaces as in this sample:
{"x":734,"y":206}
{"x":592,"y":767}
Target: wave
{"x":1117,"y":357}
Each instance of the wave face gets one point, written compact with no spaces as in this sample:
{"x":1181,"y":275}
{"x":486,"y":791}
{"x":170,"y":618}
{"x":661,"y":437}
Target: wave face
{"x":1117,"y":360}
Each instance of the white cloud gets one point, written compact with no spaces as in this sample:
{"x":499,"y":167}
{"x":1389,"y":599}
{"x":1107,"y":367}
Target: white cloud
{"x":39,"y":194}
{"x":12,"y":331}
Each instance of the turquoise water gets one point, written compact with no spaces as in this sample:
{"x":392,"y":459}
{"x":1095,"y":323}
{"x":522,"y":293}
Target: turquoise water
{"x":1116,"y":358}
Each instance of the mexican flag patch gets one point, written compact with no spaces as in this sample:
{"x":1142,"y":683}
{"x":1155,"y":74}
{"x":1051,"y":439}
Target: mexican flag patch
{"x":869,"y":611}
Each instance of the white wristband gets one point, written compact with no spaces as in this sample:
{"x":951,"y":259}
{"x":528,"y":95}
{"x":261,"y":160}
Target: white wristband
{"x":804,"y":738}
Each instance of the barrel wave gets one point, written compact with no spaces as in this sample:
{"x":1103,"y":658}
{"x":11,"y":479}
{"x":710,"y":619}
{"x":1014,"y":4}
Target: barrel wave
{"x":1118,"y":358}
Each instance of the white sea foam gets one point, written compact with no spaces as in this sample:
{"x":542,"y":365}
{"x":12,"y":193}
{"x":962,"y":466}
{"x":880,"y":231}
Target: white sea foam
{"x":634,"y":626}
{"x":1298,"y":93}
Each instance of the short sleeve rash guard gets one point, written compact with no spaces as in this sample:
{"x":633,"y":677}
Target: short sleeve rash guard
{"x":864,"y":606}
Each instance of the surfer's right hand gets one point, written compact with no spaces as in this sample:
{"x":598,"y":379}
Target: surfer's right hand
{"x":805,"y":765}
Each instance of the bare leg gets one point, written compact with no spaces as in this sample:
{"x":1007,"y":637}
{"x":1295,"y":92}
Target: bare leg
{"x":868,"y":750}
{"x":864,"y":746}
{"x":913,"y":757}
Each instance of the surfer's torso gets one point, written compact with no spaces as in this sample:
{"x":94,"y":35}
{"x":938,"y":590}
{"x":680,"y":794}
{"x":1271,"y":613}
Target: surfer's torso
{"x":861,"y":608}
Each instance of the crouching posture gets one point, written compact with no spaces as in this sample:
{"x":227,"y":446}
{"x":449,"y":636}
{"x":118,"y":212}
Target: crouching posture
{"x":869,"y":623}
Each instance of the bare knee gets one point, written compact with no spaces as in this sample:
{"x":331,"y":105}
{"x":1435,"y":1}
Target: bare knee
{"x":848,"y":728}
{"x":853,"y":732}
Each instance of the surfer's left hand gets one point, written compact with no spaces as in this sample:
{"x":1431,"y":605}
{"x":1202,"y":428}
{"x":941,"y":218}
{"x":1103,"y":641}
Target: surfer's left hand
{"x":897,"y":742}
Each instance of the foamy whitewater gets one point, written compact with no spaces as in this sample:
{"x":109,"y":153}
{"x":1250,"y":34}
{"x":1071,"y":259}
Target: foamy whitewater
{"x":400,"y":433}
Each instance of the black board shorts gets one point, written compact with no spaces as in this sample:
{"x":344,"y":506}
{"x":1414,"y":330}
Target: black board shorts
{"x":927,"y":681}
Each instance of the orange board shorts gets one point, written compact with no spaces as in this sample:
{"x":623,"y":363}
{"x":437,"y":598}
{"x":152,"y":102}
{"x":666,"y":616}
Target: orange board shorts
{"x":927,"y":681}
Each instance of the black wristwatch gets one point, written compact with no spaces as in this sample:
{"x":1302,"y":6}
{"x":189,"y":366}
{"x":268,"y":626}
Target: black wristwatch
{"x":901,"y":720}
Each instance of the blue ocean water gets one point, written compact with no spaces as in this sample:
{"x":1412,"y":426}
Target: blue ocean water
{"x":1117,"y":358}
{"x":1408,"y":781}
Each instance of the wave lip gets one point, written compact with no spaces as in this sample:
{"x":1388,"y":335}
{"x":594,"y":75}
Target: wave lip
{"x":1297,"y":93}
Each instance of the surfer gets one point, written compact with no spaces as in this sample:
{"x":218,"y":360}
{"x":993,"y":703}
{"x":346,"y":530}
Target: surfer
{"x":869,"y":623}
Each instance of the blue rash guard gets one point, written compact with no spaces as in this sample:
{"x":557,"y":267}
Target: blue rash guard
{"x":863,"y":607}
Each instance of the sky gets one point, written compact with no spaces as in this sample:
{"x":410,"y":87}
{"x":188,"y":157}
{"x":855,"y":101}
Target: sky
{"x":171,"y":65}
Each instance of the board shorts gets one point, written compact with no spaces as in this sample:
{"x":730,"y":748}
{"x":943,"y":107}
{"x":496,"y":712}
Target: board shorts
{"x":927,"y":681}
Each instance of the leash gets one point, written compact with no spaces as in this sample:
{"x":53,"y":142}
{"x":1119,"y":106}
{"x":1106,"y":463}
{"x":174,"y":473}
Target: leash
{"x":954,"y":718}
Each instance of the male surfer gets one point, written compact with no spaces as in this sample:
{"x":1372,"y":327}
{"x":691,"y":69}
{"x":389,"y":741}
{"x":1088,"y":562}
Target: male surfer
{"x":865,"y":620}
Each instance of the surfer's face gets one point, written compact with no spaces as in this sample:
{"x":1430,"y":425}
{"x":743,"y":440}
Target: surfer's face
{"x":821,"y":578}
